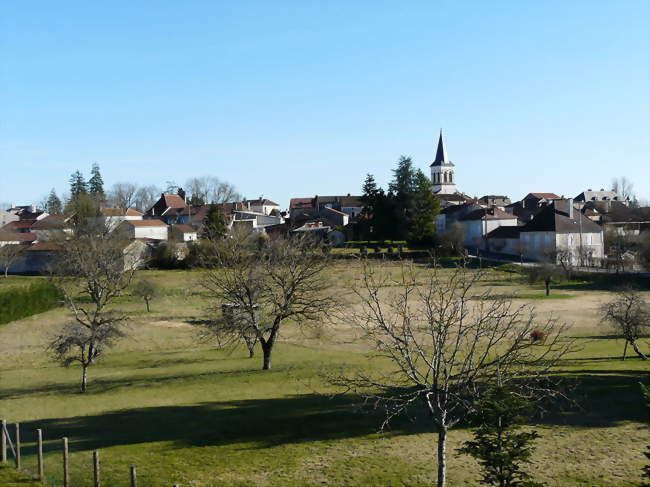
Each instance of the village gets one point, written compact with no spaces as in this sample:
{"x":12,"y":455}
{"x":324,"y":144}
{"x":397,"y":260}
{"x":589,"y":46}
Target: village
{"x":603,"y":228}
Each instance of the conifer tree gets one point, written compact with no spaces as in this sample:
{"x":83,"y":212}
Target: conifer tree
{"x":78,"y":185}
{"x":215,"y":223}
{"x":53,"y":205}
{"x":425,"y":209}
{"x":96,"y":183}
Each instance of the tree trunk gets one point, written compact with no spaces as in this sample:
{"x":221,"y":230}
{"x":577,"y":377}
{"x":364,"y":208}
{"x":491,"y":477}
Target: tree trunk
{"x":442,"y":456}
{"x":147,"y":301}
{"x":625,"y":350}
{"x":266,"y":348}
{"x":548,"y":287}
{"x":638,"y":352}
{"x":84,"y":378}
{"x":6,"y":272}
{"x":251,"y":352}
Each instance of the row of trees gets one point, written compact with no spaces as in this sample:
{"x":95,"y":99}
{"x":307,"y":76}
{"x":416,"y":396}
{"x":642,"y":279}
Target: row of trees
{"x":406,"y":211}
{"x":88,"y":196}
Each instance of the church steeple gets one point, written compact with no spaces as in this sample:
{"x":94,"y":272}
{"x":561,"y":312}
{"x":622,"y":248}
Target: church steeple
{"x":442,"y":170}
{"x":441,"y":153}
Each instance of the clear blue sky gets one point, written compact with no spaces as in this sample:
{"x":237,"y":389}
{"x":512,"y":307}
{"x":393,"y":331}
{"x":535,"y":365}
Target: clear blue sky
{"x":300,"y":98}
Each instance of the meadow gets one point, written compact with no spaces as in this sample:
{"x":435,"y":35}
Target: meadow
{"x":185,"y":411}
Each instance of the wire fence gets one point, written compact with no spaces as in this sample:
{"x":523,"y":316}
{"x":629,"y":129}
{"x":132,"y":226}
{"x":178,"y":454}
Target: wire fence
{"x":50,"y":460}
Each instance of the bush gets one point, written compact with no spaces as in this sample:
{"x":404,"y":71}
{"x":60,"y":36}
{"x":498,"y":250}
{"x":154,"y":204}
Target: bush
{"x":537,"y":336}
{"x":17,"y":303}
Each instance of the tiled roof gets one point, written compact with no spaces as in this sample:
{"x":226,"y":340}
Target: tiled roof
{"x":8,"y":236}
{"x":50,"y":222}
{"x":145,"y":223}
{"x":555,"y":218}
{"x":546,"y":196}
{"x":261,"y":202}
{"x":120,"y":212}
{"x":184,"y":228}
{"x":489,"y":214}
{"x":174,"y":201}
{"x":19,"y":225}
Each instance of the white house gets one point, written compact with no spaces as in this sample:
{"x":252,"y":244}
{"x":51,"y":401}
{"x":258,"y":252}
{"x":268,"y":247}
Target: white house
{"x":112,"y":217}
{"x":562,"y":228}
{"x":261,"y":205}
{"x":478,"y":223}
{"x":6,"y":217}
{"x":145,"y":229}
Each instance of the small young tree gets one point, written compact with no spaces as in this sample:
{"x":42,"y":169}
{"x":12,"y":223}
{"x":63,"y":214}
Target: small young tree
{"x":453,"y":240}
{"x":499,"y":445}
{"x":91,"y":267}
{"x":146,"y":290}
{"x":9,"y":254}
{"x":447,"y":340}
{"x":629,"y":315}
{"x":546,"y":272}
{"x":284,"y":280}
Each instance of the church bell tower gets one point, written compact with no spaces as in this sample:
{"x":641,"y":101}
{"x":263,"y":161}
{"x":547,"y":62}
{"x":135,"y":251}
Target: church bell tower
{"x":442,"y":171}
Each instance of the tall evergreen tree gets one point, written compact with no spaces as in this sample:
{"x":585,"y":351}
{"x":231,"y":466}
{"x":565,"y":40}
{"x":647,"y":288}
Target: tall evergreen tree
{"x":401,"y":194}
{"x":369,"y":196}
{"x":96,"y":183}
{"x":499,"y":445}
{"x":215,"y":223}
{"x":53,"y":204}
{"x":78,"y":185}
{"x":425,"y":209}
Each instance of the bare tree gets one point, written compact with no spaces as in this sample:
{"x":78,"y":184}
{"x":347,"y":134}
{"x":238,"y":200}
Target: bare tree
{"x":447,"y":341}
{"x":9,"y":254}
{"x":123,"y":195}
{"x":94,"y":268}
{"x":210,"y":189}
{"x":623,"y":187}
{"x":146,"y":196}
{"x":283,"y":280}
{"x":629,"y":315}
{"x":546,"y":272}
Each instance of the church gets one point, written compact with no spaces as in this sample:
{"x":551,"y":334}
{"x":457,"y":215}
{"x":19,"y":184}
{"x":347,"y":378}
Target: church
{"x":442,"y":171}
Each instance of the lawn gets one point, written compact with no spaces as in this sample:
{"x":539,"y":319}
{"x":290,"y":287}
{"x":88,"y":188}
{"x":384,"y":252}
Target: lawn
{"x":185,"y":412}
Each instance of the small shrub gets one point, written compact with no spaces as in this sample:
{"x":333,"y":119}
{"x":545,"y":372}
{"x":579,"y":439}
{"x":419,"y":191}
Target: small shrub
{"x":537,"y":336}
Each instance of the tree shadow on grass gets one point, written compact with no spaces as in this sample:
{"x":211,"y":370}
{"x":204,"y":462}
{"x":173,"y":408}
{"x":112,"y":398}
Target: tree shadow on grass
{"x":605,"y":400}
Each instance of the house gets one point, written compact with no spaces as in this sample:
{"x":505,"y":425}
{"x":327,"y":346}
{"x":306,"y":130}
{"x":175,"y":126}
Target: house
{"x":19,"y":226}
{"x":255,"y":221}
{"x":451,"y":214}
{"x":50,"y":226}
{"x":531,"y":205}
{"x":478,"y":223}
{"x":166,"y":205}
{"x":15,"y":238}
{"x":504,"y":240}
{"x":560,"y":228}
{"x":112,"y":217}
{"x":151,"y":229}
{"x":624,"y":220}
{"x":6,"y":217}
{"x":601,"y":195}
{"x":491,"y":200}
{"x":303,"y":209}
{"x":27,"y":212}
{"x":183,"y":233}
{"x":262,"y":205}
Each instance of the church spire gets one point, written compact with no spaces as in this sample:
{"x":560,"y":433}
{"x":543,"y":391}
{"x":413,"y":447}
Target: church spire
{"x":441,"y":153}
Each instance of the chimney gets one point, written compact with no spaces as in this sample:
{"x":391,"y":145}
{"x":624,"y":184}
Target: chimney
{"x":570,"y":201}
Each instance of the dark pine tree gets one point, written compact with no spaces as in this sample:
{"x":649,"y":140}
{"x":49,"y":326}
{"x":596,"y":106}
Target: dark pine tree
{"x":402,"y":194}
{"x":96,"y":183}
{"x":181,"y":192}
{"x":215,"y":223}
{"x":499,"y":445}
{"x":425,"y":209}
{"x":77,"y":185}
{"x":53,"y":204}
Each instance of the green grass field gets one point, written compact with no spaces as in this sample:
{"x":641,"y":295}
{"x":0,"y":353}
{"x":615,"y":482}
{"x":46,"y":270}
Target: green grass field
{"x":185,"y":412}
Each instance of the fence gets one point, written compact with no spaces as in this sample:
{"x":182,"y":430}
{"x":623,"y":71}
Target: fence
{"x":14,"y":447}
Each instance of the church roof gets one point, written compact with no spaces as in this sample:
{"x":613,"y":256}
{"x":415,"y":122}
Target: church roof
{"x":441,"y":154}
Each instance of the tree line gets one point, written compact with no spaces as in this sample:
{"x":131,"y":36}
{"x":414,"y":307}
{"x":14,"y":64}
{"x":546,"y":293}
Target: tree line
{"x":86,"y":197}
{"x":405,"y":211}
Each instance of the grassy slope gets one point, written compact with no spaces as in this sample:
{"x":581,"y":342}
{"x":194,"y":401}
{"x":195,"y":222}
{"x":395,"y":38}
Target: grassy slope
{"x":187,"y":413}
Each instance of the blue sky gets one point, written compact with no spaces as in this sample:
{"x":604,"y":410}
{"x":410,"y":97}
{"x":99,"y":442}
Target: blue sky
{"x":300,"y":98}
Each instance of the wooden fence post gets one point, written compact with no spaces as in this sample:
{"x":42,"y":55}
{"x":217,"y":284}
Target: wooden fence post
{"x":96,"y":468}
{"x":66,"y":473}
{"x":39,"y":434}
{"x":18,"y":446}
{"x":134,"y":477}
{"x":3,"y":440}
